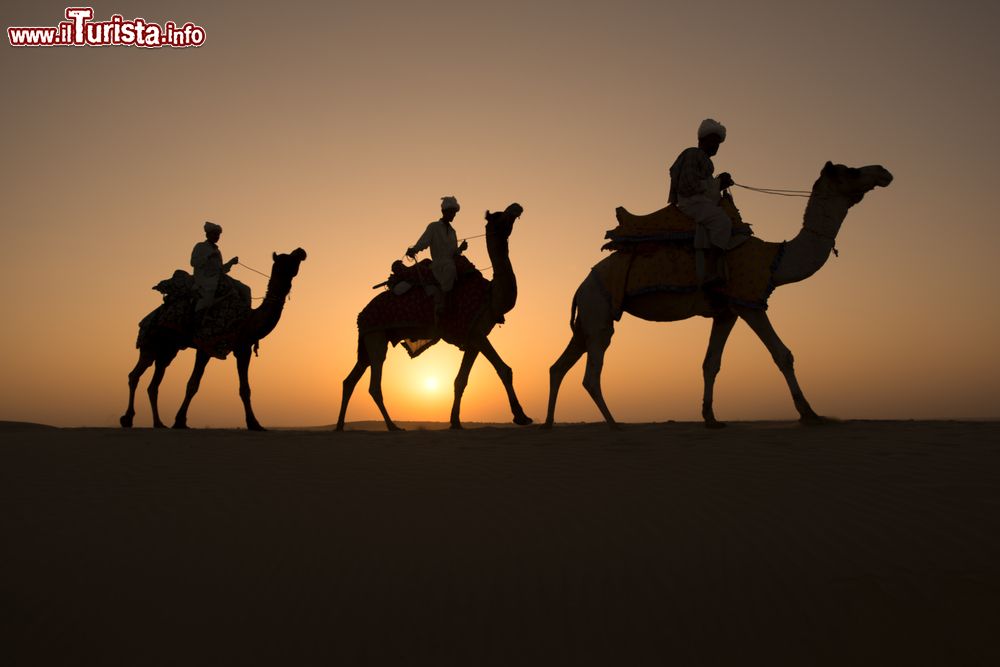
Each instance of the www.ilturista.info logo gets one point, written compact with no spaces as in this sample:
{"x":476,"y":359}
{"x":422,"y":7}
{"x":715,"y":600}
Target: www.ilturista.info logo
{"x":79,"y":30}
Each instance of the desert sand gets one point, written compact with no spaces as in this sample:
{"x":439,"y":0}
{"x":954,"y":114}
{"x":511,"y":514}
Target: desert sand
{"x":859,"y":543}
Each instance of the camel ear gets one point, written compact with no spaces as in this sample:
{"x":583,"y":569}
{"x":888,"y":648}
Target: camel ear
{"x":828,"y":167}
{"x":487,"y":216}
{"x":274,"y":256}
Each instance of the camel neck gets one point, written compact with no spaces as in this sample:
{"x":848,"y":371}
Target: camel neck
{"x":504,"y":284}
{"x":807,"y":253}
{"x":266,"y":316}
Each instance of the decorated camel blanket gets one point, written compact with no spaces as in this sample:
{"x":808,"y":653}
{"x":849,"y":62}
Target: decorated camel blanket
{"x":670,"y":267}
{"x":400,"y":314}
{"x":212,"y":331}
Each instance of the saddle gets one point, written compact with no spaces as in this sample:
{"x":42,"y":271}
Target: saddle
{"x":177,"y":310}
{"x":421,"y":274}
{"x":668,"y":225}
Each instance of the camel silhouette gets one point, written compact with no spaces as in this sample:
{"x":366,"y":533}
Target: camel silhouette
{"x":502,"y":296}
{"x":837,"y":190}
{"x":162,"y":344}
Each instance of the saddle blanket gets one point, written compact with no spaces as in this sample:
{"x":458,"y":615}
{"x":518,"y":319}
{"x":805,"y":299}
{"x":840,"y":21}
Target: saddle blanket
{"x":412,"y":313}
{"x":211,"y":330}
{"x":670,"y":267}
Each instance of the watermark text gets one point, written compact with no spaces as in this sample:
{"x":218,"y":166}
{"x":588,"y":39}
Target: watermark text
{"x":79,"y":29}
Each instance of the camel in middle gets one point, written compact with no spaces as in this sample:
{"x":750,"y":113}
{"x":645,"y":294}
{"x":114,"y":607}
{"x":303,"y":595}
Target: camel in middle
{"x":500,"y":299}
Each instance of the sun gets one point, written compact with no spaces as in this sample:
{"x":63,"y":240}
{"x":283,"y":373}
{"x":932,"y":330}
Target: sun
{"x":431,"y":383}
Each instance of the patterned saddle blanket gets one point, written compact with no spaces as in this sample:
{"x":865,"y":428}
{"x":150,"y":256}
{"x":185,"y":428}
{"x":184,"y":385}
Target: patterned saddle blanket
{"x":409,"y":317}
{"x":212,"y":330}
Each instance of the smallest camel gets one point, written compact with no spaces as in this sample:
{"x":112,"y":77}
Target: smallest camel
{"x":160,"y":344}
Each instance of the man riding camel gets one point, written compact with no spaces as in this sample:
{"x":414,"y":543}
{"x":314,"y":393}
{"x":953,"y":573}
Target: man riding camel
{"x":209,"y":270}
{"x":441,"y":238}
{"x":697,"y":193}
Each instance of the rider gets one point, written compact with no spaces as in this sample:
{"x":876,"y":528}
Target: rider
{"x":696,"y":192}
{"x":441,"y":238}
{"x":206,"y":258}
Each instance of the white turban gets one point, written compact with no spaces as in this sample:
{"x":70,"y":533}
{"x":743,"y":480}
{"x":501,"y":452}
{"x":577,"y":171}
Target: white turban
{"x":212,"y":227}
{"x":711,"y":126}
{"x":449,"y":203}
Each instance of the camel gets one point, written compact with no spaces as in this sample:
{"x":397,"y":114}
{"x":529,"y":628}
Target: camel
{"x":161,"y":345}
{"x":837,"y":190}
{"x":372,"y":346}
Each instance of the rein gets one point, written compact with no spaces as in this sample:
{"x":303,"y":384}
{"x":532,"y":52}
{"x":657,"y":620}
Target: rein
{"x":260,"y":298}
{"x":250,"y":268}
{"x":794,"y":193}
{"x":776,"y":191}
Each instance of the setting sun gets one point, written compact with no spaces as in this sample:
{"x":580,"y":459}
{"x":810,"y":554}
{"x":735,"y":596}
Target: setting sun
{"x":431,"y":383}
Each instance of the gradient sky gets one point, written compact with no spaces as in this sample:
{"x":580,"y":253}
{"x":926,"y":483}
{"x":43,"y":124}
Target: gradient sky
{"x":338,"y":129}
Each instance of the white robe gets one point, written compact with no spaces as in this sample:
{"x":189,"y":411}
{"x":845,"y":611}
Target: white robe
{"x":696,"y":192}
{"x":443,"y":242}
{"x":206,"y":259}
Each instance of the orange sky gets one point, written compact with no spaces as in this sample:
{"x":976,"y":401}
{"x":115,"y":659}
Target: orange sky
{"x":338,"y":129}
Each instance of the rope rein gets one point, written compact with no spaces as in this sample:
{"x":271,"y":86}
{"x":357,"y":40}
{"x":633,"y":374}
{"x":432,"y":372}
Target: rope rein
{"x":795,"y":193}
{"x":776,"y":191}
{"x":260,"y":298}
{"x":250,"y":268}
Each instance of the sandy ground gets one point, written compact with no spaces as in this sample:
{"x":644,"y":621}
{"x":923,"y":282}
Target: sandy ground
{"x":861,"y":543}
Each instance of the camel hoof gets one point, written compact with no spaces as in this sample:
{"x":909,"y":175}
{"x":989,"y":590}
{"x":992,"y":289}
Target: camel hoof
{"x":125,"y":421}
{"x":523,"y":420}
{"x":180,"y":426}
{"x":547,"y":426}
{"x":256,"y":427}
{"x":615,"y":426}
{"x":456,"y":426}
{"x":816,"y":420}
{"x":715,"y":424}
{"x":392,"y":427}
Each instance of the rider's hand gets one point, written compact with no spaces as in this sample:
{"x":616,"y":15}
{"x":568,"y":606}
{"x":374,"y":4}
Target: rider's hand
{"x":725,"y":180}
{"x":464,"y":246}
{"x":411,"y":253}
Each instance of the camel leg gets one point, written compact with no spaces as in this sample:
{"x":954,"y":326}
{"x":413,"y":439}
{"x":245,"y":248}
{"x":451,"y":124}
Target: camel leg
{"x":558,"y":371}
{"x":461,"y":380}
{"x":375,"y":347}
{"x":154,"y":386}
{"x":761,"y":325}
{"x":242,"y":355}
{"x":594,"y":327}
{"x":200,"y":362}
{"x":721,"y":328}
{"x":506,"y":375}
{"x":146,"y":360}
{"x":596,"y":347}
{"x":350,"y":382}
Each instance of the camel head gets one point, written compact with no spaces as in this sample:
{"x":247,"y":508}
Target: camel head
{"x":287,"y":266}
{"x":502,"y":222}
{"x":852,"y":182}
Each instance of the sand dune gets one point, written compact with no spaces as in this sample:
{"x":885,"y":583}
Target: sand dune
{"x":860,"y":543}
